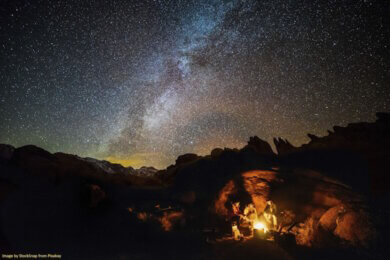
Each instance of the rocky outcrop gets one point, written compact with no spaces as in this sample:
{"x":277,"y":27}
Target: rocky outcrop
{"x":351,"y":223}
{"x":355,"y":136}
{"x":356,"y":227}
{"x":283,"y":146}
{"x":325,"y":211}
{"x":6,"y":152}
{"x":357,"y":153}
{"x":260,"y":146}
{"x":199,"y":191}
{"x":186,"y":158}
{"x":216,"y":152}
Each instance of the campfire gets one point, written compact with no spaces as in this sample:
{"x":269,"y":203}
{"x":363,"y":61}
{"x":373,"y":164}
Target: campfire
{"x":260,"y":226}
{"x":249,"y":223}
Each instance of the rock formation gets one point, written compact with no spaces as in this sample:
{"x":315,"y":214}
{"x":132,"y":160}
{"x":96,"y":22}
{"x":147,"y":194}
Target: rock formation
{"x":283,"y":146}
{"x":260,"y":146}
{"x":320,"y":189}
{"x":186,"y":158}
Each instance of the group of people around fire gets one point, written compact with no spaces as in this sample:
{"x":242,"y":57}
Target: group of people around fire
{"x":249,"y":217}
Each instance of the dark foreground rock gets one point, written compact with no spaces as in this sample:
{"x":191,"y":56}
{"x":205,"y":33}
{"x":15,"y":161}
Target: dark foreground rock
{"x":330,"y":193}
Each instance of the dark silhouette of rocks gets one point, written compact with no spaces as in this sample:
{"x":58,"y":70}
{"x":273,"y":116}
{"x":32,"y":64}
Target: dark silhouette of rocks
{"x":216,"y":152}
{"x":357,"y":154}
{"x":383,"y":118}
{"x":53,"y":167}
{"x":260,"y":146}
{"x":354,"y":137}
{"x":186,"y":158}
{"x":6,"y":152}
{"x":283,"y":146}
{"x":335,"y":187}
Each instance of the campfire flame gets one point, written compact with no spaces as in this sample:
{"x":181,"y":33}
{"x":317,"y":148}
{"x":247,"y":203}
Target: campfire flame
{"x":250,"y":220}
{"x":260,"y":226}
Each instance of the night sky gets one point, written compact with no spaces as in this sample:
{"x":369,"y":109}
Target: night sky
{"x":141,"y":82}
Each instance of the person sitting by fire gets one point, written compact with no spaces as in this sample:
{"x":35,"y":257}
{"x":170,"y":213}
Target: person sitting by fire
{"x":236,"y":213}
{"x":236,"y":232}
{"x":270,"y":214}
{"x":235,"y":217}
{"x":250,"y":214}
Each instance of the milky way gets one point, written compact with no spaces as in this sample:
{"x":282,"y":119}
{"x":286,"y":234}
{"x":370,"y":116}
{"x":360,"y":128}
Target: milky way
{"x":141,"y":82}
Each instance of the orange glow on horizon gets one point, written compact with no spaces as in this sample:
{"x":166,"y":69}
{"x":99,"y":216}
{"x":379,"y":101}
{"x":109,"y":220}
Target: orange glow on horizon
{"x":135,"y":160}
{"x":124,"y":162}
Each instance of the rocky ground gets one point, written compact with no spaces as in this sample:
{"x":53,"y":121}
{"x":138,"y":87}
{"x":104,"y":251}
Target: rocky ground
{"x":331,"y":196}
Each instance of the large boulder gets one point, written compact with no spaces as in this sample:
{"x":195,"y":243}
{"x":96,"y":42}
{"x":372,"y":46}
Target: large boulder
{"x":330,"y":217}
{"x":249,"y":187}
{"x":355,"y":226}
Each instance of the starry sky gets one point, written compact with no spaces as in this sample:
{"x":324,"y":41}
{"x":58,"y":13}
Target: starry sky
{"x":141,"y":82}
